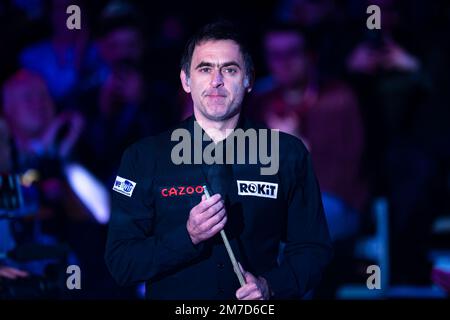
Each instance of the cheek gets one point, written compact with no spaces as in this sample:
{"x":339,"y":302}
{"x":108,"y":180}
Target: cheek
{"x":196,"y":90}
{"x":198,"y":85}
{"x":238,"y":91}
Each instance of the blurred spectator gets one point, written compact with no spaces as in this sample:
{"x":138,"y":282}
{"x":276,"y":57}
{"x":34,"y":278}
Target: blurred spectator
{"x":42,"y":144}
{"x":35,"y":128}
{"x":42,"y":141}
{"x":67,"y":59}
{"x":329,"y":28}
{"x":127,"y":105}
{"x":325,"y":115}
{"x":394,"y":91}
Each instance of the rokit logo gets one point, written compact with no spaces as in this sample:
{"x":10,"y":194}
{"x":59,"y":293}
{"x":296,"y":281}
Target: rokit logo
{"x":181,"y":191}
{"x":257,"y":189}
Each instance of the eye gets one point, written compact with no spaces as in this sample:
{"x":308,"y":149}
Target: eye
{"x":230,"y":70}
{"x":205,"y":70}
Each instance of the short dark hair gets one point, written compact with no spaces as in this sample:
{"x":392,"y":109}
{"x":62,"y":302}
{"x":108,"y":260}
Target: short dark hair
{"x":219,"y":30}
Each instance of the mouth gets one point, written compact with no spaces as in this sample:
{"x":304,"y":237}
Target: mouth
{"x":215,"y":96}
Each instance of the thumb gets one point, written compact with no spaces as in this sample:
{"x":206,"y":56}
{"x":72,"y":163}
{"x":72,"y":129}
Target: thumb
{"x":247,"y":275}
{"x":240,"y":268}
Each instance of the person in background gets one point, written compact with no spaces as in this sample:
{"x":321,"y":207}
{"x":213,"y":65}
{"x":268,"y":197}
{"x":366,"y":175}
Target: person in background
{"x":125,"y":104}
{"x":67,"y":60}
{"x":324,"y":113}
{"x":394,"y":89}
{"x":43,"y":143}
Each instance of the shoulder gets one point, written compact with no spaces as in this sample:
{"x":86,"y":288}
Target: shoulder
{"x":141,"y":154}
{"x":151,"y":147}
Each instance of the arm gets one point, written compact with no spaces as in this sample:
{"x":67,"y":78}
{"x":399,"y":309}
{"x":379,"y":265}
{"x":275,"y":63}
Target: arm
{"x":308,"y":246}
{"x":133,"y":254}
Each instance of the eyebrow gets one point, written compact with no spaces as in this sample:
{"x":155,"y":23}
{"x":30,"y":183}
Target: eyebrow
{"x":209,"y":64}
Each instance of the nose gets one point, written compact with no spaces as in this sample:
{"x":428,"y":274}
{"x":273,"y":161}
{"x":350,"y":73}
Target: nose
{"x":217,"y":79}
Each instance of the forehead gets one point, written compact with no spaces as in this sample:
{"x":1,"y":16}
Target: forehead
{"x":217,"y":51}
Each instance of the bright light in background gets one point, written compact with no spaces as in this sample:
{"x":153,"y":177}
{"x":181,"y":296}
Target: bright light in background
{"x":89,"y":190}
{"x":29,"y":177}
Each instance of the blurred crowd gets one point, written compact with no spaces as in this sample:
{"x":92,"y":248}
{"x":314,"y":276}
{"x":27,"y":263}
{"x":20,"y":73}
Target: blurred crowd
{"x":372,"y":107}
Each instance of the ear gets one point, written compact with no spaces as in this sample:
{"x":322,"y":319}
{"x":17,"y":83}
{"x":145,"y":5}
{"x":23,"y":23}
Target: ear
{"x":185,"y":81}
{"x":247,"y":84}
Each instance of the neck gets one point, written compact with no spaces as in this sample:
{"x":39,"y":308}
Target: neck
{"x":217,"y":130}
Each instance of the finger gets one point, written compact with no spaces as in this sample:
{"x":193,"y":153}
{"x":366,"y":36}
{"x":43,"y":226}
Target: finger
{"x":213,"y":220}
{"x":205,"y":216}
{"x":205,"y":204}
{"x":240,"y":268}
{"x":249,"y":278}
{"x":218,"y":227}
{"x":243,"y":272}
{"x":212,"y":210}
{"x":254,"y":295}
{"x":245,"y":291}
{"x":241,"y":293}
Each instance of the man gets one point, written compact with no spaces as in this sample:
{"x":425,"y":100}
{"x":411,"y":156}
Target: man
{"x":324,"y":113}
{"x":122,"y":104}
{"x":42,"y":146}
{"x":163,"y":231}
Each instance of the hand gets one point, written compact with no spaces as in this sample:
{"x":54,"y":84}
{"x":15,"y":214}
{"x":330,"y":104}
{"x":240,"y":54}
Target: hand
{"x":206,"y":219}
{"x":12,"y":273}
{"x":254,"y":289}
